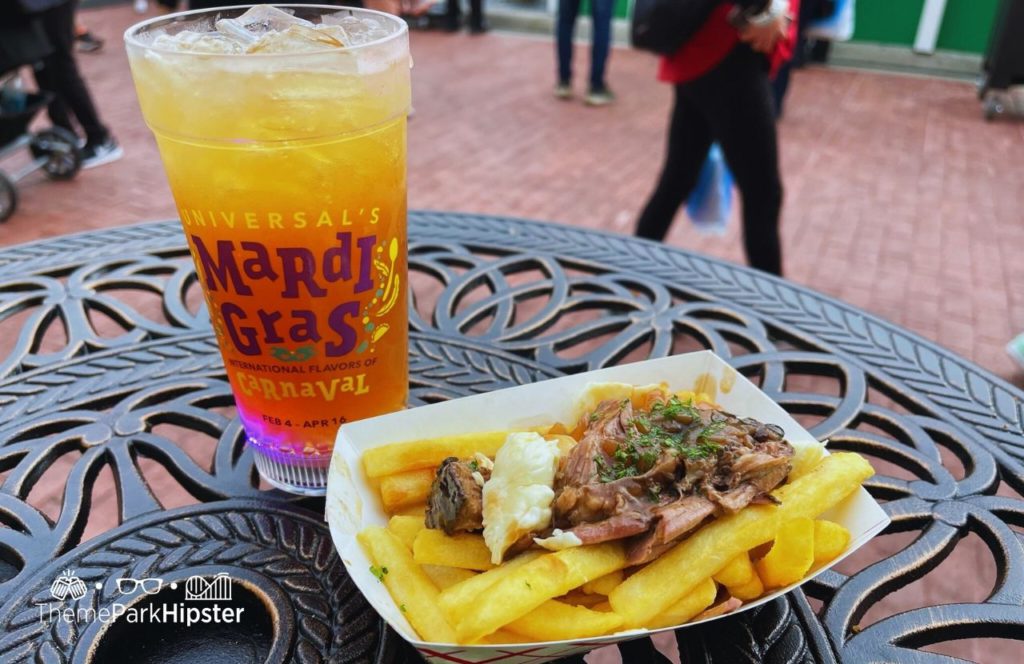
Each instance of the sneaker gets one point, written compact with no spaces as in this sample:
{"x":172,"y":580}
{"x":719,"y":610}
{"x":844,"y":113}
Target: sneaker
{"x":563,"y":91}
{"x":478,"y":28}
{"x":141,"y":6}
{"x":88,"y":42}
{"x":98,"y":154}
{"x":601,"y":97}
{"x":1016,"y":350}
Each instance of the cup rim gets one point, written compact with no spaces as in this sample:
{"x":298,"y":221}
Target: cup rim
{"x":131,"y":34}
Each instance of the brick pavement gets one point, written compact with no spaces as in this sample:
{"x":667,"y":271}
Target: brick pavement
{"x":899,"y":199}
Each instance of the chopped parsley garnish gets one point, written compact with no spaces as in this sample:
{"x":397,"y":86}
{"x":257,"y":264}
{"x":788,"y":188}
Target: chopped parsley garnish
{"x":474,"y":466}
{"x":710,"y":430}
{"x":673,"y":408}
{"x":528,"y":585}
{"x":378,"y":572}
{"x":402,"y":607}
{"x":648,"y":439}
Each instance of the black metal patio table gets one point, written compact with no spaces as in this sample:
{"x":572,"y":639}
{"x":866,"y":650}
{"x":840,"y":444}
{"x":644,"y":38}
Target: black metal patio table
{"x":132,"y":380}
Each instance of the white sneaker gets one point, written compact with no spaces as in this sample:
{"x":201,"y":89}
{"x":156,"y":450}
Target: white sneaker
{"x":1016,"y":349}
{"x":601,"y":97}
{"x":141,"y":6}
{"x":103,"y":153}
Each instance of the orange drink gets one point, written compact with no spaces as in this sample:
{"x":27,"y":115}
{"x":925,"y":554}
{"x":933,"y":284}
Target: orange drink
{"x":283,"y":134}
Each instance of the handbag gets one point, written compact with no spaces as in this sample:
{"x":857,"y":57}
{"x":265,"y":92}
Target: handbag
{"x":711,"y":200}
{"x":663,"y":26}
{"x":837,"y":26}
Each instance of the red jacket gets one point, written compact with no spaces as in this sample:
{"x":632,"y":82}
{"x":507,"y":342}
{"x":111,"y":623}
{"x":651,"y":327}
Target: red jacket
{"x":713,"y":41}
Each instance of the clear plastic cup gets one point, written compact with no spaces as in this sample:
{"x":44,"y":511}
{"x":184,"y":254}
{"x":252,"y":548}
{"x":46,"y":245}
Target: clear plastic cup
{"x":283,"y":135}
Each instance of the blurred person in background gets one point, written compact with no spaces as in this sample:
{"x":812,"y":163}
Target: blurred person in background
{"x":723,"y":93}
{"x":598,"y":93}
{"x":804,"y":50}
{"x":453,"y":16}
{"x":85,"y":41}
{"x":58,"y":74}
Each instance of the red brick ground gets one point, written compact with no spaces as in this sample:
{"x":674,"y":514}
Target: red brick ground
{"x":899,"y":198}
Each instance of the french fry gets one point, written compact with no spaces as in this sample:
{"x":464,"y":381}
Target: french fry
{"x":690,"y":605}
{"x":409,"y":585}
{"x":408,"y":488}
{"x":555,"y":621}
{"x":750,"y":590}
{"x":736,"y":572}
{"x":791,"y":555}
{"x":565,"y":442}
{"x":646,"y":594}
{"x":502,"y":637}
{"x":533,"y":584}
{"x":433,"y":547}
{"x":689,"y":396}
{"x":406,"y":528}
{"x":579,"y":598}
{"x":805,"y":458}
{"x":720,"y":609}
{"x":466,"y":592}
{"x":556,"y":429}
{"x":830,"y":540}
{"x":605,"y":584}
{"x":446,"y":577}
{"x":419,"y":454}
{"x":419,"y":510}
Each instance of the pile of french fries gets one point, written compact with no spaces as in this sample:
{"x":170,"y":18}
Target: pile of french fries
{"x":449,"y":591}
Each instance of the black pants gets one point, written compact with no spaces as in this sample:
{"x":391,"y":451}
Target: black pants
{"x":453,"y":11}
{"x":58,"y":74}
{"x":732,"y":104}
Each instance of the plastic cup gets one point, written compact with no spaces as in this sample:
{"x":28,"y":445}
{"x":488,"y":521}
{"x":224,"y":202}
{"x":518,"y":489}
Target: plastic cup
{"x":285,"y":149}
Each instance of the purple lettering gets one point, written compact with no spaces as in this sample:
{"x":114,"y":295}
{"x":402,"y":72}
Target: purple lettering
{"x":306,"y":329}
{"x":224,"y":269}
{"x":346,"y":333}
{"x":299,"y":266}
{"x":248,"y":346}
{"x":258,"y":267}
{"x":365,"y":261}
{"x":268,"y":320}
{"x":338,"y":260}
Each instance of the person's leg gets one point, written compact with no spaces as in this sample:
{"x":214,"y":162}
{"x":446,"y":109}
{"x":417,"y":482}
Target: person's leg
{"x":568,"y":10}
{"x":780,"y":86}
{"x":452,"y":14}
{"x":742,"y":121}
{"x":476,"y":16}
{"x":59,"y":74}
{"x":601,"y":12}
{"x":689,"y":138}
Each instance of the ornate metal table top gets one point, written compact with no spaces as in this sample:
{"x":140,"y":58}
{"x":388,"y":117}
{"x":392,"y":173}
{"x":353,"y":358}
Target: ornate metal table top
{"x":109,"y":368}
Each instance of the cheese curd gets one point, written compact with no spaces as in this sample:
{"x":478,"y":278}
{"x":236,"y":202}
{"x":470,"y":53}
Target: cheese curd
{"x":517,"y":498}
{"x":559,"y":540}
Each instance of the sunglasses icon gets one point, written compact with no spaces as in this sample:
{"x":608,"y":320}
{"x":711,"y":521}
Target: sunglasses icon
{"x":126,"y":585}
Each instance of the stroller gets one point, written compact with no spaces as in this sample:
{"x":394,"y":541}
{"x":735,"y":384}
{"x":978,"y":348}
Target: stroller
{"x":55,"y":150}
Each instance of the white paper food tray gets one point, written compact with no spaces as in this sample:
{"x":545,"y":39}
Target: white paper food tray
{"x":353,"y":505}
